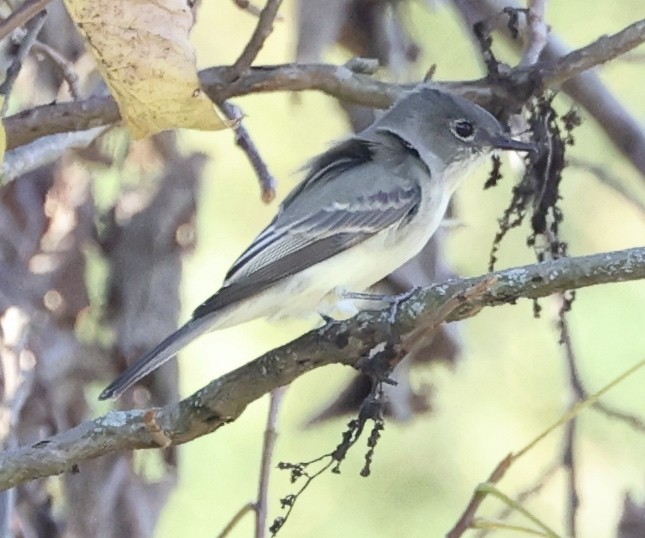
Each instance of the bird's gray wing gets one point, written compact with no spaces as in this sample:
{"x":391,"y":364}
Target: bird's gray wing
{"x":320,"y":221}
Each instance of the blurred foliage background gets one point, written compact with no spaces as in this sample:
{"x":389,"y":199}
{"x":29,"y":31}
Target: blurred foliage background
{"x":511,"y":382}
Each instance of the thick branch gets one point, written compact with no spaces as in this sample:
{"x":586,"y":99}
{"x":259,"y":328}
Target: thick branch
{"x":346,"y":342}
{"x":29,"y":125}
{"x":337,"y":81}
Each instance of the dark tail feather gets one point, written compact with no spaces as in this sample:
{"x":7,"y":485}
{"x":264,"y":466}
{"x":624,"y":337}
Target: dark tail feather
{"x":155,"y":358}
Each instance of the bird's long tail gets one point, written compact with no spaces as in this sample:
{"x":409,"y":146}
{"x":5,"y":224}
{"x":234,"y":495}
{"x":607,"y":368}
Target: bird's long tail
{"x":155,"y":358}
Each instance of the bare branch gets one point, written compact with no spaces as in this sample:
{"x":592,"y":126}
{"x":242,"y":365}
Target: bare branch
{"x":466,"y":519}
{"x":260,"y":34}
{"x":21,"y":16}
{"x":270,"y":436}
{"x":16,"y":65}
{"x":245,"y":142}
{"x":45,"y":120}
{"x":346,"y":342}
{"x":17,"y":366}
{"x":64,"y":66}
{"x":633,"y":421}
{"x":600,"y":51}
{"x":578,"y":395}
{"x":538,"y":32}
{"x":604,"y":176}
{"x":24,"y":159}
{"x":337,"y":81}
{"x":523,"y":496}
{"x":239,"y":515}
{"x":621,"y":128}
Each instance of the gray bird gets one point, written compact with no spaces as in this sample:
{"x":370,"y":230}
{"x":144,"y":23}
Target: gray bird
{"x":366,"y":206}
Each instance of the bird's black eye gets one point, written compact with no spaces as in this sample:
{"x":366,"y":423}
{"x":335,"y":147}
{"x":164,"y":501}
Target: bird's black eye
{"x":463,"y":129}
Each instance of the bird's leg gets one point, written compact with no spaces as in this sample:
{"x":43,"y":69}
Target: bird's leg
{"x":392,"y":300}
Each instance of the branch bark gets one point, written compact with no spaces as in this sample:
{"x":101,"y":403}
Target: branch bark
{"x":337,"y":81}
{"x":346,"y":342}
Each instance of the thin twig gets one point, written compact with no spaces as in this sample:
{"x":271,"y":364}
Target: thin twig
{"x":467,"y":519}
{"x":16,"y":65}
{"x":245,"y":142}
{"x":537,"y":32}
{"x":64,"y":66}
{"x":248,"y":507}
{"x":523,"y":496}
{"x":259,"y":36}
{"x":270,"y":436}
{"x":577,"y":387}
{"x":21,"y":16}
{"x":569,"y":463}
{"x":579,"y":395}
{"x":632,"y":421}
{"x":604,"y":176}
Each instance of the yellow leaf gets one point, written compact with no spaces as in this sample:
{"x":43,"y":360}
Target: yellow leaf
{"x":146,"y":58}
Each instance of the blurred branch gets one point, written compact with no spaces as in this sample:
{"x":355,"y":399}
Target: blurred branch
{"x":239,"y":515}
{"x":524,"y":495}
{"x":605,"y":176}
{"x":538,"y":32}
{"x":466,"y":519}
{"x":44,"y":151}
{"x":339,"y":81}
{"x":578,"y":394}
{"x":21,"y":16}
{"x":65,"y":67}
{"x":346,"y":342}
{"x":17,"y":374}
{"x":16,"y":65}
{"x":270,"y":437}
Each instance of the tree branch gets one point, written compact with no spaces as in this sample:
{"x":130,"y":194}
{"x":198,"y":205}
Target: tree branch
{"x":245,"y":142}
{"x":260,"y":34}
{"x":538,"y":32}
{"x":621,"y":128}
{"x":607,"y":47}
{"x":21,"y":16}
{"x":337,"y":81}
{"x":346,"y":342}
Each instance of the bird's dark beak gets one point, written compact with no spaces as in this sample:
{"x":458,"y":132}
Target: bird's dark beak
{"x":505,"y":142}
